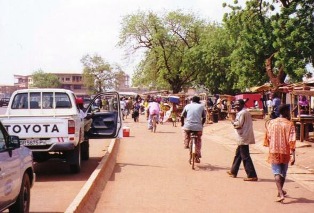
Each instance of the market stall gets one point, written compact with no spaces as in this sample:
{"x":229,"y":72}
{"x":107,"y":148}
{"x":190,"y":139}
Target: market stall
{"x":301,"y":110}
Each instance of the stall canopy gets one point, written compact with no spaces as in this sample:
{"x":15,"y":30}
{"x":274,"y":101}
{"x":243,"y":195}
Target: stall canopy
{"x":265,"y":87}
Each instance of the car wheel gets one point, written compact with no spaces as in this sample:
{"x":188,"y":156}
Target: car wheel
{"x":23,"y":200}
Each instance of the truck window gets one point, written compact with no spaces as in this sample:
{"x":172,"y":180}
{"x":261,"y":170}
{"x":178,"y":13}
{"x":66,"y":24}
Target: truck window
{"x":35,"y":100}
{"x":20,"y":101}
{"x":62,"y":100}
{"x":47,"y":100}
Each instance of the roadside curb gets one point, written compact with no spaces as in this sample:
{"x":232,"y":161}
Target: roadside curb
{"x":86,"y":200}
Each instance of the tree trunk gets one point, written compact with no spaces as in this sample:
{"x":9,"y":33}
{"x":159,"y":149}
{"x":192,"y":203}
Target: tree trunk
{"x":176,"y":88}
{"x":278,"y":79}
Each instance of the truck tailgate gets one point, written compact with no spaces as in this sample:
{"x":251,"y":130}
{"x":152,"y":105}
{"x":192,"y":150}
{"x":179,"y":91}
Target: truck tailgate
{"x":33,"y":127}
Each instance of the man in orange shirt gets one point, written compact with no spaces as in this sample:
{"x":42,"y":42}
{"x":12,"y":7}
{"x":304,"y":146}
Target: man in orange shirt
{"x":281,"y":140}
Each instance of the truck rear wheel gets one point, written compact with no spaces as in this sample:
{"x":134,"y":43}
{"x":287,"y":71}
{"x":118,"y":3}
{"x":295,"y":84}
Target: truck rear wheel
{"x":74,"y":158}
{"x":85,"y":149}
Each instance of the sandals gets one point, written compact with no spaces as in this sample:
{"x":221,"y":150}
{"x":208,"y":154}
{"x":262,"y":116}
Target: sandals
{"x":197,"y":160}
{"x":284,"y":193}
{"x":280,"y":200}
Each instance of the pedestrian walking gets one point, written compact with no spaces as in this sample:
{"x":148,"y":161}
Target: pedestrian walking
{"x":243,"y":126}
{"x":136,"y":111}
{"x":281,"y":140}
{"x":269,"y":106}
{"x":123,"y":107}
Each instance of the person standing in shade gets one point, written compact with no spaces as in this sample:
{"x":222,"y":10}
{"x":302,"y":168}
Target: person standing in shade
{"x":275,"y":106}
{"x":281,"y":139}
{"x":243,"y":126}
{"x":269,"y":106}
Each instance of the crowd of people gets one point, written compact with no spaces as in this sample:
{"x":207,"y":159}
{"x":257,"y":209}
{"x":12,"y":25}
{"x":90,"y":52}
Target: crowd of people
{"x":280,"y":134}
{"x":280,"y":137}
{"x":147,"y":107}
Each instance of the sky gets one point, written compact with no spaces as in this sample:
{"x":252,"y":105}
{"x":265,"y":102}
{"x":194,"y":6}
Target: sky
{"x":53,"y":35}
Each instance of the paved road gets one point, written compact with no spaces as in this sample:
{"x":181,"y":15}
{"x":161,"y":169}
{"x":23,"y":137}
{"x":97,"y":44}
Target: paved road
{"x":56,"y":187}
{"x":152,"y":174}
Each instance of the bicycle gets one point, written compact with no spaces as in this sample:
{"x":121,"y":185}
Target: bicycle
{"x":154,"y":122}
{"x":193,"y":148}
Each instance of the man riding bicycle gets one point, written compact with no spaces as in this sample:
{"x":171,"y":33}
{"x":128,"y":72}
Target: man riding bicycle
{"x":152,"y":109}
{"x":195,"y":116}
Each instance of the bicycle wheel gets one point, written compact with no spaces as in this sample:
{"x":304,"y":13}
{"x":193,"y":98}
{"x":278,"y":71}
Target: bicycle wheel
{"x":191,"y":148}
{"x":193,"y":151}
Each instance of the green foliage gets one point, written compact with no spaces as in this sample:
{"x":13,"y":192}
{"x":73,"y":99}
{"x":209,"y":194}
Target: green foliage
{"x":294,"y":37}
{"x":260,"y":42}
{"x":97,"y":74}
{"x":167,"y":42}
{"x":214,"y":51}
{"x":267,"y":30}
{"x":45,"y":80}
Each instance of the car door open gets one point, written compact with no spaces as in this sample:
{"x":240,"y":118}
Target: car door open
{"x":105,"y":112}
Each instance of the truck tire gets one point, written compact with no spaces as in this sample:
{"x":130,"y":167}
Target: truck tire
{"x":23,"y":200}
{"x":74,"y":158}
{"x":85,"y":149}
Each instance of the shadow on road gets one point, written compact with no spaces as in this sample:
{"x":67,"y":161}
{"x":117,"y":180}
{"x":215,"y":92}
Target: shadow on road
{"x":118,"y":168}
{"x":298,"y":200}
{"x":210,"y":167}
{"x":57,"y":170}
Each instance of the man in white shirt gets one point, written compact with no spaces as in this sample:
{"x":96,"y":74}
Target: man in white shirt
{"x":83,"y":115}
{"x":243,"y":126}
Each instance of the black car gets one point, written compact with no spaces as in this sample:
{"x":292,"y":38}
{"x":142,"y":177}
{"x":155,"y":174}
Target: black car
{"x":4,"y":102}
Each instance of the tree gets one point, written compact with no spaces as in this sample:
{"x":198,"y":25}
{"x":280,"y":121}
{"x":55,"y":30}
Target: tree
{"x":97,"y":74}
{"x":119,"y":77}
{"x":271,"y":39}
{"x":45,"y":80}
{"x":167,"y":43}
{"x":212,"y":55}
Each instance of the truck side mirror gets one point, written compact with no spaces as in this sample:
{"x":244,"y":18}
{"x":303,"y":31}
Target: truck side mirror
{"x":14,"y":141}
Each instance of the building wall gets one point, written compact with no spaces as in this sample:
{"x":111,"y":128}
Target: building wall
{"x":71,"y":81}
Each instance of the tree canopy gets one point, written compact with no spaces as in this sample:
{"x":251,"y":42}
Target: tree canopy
{"x":271,"y":40}
{"x":45,"y":80}
{"x":263,"y":41}
{"x":98,"y":75}
{"x":167,"y":41}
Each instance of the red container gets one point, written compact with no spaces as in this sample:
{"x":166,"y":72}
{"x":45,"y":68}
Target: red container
{"x":126,"y":131}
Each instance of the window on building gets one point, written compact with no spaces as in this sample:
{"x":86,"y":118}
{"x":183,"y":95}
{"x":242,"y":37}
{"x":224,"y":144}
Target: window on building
{"x":66,"y":86}
{"x":77,"y":86}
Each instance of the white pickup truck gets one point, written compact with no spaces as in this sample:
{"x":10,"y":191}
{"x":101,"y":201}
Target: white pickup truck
{"x":48,"y":122}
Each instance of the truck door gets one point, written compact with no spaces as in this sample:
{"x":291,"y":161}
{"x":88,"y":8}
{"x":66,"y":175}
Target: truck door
{"x":106,"y":116}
